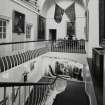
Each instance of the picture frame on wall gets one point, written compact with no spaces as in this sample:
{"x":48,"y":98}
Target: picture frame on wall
{"x":18,"y":22}
{"x":70,"y":29}
{"x":41,"y":28}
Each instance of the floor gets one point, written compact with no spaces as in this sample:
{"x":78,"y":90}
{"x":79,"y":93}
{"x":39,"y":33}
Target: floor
{"x":74,"y":94}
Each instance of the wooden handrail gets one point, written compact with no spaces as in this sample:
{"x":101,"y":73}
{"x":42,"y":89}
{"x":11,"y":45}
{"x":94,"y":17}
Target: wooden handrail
{"x":7,"y":43}
{"x":11,"y":84}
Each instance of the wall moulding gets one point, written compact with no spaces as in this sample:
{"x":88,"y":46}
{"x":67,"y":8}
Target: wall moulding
{"x":26,"y":5}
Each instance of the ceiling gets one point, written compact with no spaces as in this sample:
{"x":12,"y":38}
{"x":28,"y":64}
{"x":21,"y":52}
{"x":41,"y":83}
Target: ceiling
{"x":44,"y":5}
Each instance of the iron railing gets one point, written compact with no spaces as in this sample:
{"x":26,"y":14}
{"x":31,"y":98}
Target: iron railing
{"x":17,"y":93}
{"x":15,"y":53}
{"x":68,"y":46}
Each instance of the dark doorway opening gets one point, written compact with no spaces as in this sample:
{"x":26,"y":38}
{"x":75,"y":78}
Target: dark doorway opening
{"x":52,"y":34}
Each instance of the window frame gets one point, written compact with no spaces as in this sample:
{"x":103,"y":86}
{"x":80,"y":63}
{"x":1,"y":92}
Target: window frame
{"x":3,"y":29}
{"x":28,"y":31}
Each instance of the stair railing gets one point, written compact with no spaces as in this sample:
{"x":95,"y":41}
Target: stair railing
{"x":19,"y":93}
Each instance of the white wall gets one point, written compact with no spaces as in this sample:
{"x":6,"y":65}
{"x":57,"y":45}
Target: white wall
{"x":62,"y":27}
{"x":6,"y":9}
{"x":93,"y":25}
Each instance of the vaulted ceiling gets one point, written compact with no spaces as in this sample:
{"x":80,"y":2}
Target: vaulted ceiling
{"x":42,"y":2}
{"x":44,"y":5}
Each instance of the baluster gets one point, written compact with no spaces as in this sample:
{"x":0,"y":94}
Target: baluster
{"x":76,"y":44}
{"x":56,"y":47}
{"x":33,"y":96}
{"x":72,"y":45}
{"x":59,"y":45}
{"x":19,"y":95}
{"x":10,"y":61}
{"x":7,"y":63}
{"x":24,"y":94}
{"x":27,"y":55}
{"x":80,"y":46}
{"x":4,"y":96}
{"x":79,"y":42}
{"x":29,"y":96}
{"x":43,"y":92}
{"x":19,"y":60}
{"x":52,"y":47}
{"x":43,"y":99}
{"x":38,"y":94}
{"x":30,"y":54}
{"x":76,"y":48}
{"x":13,"y":95}
{"x":15,"y":60}
{"x":69,"y":45}
{"x":64,"y":46}
{"x":2,"y":64}
{"x":36,"y":91}
{"x":83,"y":45}
{"x":72,"y":48}
{"x":22,"y":56}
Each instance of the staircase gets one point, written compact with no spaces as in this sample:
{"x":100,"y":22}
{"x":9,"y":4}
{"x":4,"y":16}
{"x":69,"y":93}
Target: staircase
{"x":48,"y":91}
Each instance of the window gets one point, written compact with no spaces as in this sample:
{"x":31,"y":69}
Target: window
{"x":28,"y":31}
{"x":3,"y":24}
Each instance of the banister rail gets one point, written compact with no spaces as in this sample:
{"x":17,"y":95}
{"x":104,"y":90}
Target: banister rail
{"x":17,"y":42}
{"x":9,"y":84}
{"x":7,"y":43}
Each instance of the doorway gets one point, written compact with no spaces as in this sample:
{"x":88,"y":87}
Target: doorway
{"x":52,"y":34}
